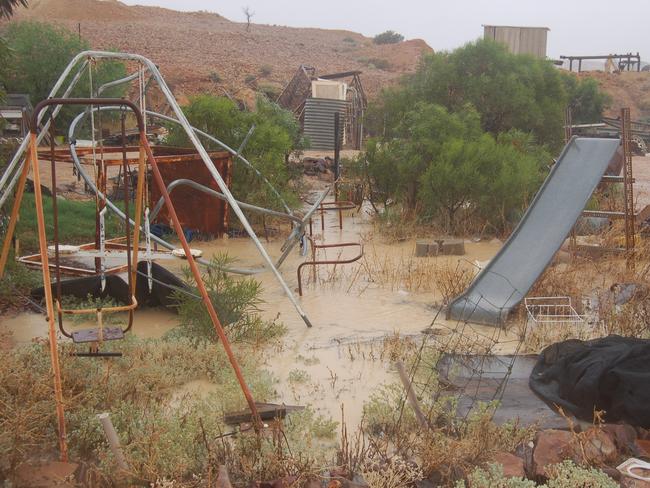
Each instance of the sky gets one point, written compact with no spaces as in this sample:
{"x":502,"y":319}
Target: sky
{"x":578,"y":27}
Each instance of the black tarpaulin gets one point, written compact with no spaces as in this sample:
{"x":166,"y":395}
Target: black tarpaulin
{"x":611,"y":374}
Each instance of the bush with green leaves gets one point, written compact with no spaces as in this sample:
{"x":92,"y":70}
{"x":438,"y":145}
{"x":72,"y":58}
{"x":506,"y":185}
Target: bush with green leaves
{"x":508,"y":91}
{"x":586,"y":100}
{"x":388,"y":37}
{"x":236,"y":301}
{"x":276,"y":135}
{"x":39,"y":52}
{"x":563,"y":475}
{"x":161,"y":421}
{"x":442,"y":165}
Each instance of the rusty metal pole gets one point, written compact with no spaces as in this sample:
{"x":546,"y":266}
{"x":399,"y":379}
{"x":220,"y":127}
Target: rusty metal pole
{"x":13,"y":219}
{"x":257,"y":421}
{"x":628,"y":187}
{"x":54,"y":351}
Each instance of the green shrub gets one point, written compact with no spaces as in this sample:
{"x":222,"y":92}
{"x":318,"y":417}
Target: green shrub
{"x":40,"y":52}
{"x":161,"y":422}
{"x":236,"y":301}
{"x":388,"y":37}
{"x":276,"y":135}
{"x":563,"y":475}
{"x":266,"y":70}
{"x":377,"y":63}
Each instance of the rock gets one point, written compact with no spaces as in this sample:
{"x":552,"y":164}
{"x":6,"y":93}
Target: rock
{"x":513,"y":466}
{"x":452,"y":247}
{"x":627,"y":482}
{"x":598,"y":448}
{"x":613,"y":473}
{"x":425,"y":247}
{"x":50,"y":474}
{"x":642,"y":447}
{"x":551,"y":447}
{"x":623,"y":436}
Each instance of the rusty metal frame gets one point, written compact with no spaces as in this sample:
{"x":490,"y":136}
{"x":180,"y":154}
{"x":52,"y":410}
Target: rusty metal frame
{"x":628,"y":186}
{"x":338,"y":205}
{"x":147,"y":65}
{"x":314,"y":262}
{"x":33,"y":160}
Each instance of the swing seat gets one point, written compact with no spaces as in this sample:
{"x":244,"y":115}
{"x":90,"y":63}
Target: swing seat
{"x":92,"y":335}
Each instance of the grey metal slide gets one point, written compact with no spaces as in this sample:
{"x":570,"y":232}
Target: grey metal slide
{"x":505,"y":281}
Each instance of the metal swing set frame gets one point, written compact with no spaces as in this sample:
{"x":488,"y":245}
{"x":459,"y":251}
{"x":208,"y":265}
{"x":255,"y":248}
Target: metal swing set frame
{"x":26,"y":159}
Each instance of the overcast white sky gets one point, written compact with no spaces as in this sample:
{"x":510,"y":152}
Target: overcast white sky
{"x":578,"y":27}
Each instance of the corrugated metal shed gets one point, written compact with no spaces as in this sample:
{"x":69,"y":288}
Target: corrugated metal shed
{"x":519,"y":40}
{"x":319,"y":121}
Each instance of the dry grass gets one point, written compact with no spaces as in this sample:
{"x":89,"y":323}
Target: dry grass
{"x":594,"y":286}
{"x":444,"y":277}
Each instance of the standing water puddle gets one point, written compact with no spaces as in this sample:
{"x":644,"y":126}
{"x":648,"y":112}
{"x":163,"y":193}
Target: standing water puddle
{"x":356,"y":310}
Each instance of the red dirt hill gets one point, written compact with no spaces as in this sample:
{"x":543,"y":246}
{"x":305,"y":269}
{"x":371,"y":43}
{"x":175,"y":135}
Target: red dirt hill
{"x":194,"y":48}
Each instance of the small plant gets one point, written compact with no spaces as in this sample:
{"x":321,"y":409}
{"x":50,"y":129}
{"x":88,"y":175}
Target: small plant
{"x":215,"y":77}
{"x":493,"y":477}
{"x":396,"y":473}
{"x":388,"y":37}
{"x":236,"y":302}
{"x":250,"y":79}
{"x":567,"y":474}
{"x":271,"y":90}
{"x":378,"y":63}
{"x":266,"y":70}
{"x":298,"y":376}
{"x":349,"y":40}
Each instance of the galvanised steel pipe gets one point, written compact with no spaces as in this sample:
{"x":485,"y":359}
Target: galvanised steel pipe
{"x":21,"y":150}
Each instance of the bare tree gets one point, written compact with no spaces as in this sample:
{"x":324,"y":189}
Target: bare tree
{"x":249,"y":15}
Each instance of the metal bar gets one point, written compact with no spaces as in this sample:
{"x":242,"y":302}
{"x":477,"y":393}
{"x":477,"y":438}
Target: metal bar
{"x":197,"y":186}
{"x":179,"y":230}
{"x":54,"y":351}
{"x":182,"y":120}
{"x":55,"y":220}
{"x":628,"y":186}
{"x":13,"y":219}
{"x":230,"y":150}
{"x":129,"y":269}
{"x":201,"y":286}
{"x":609,"y":214}
{"x":315,"y":262}
{"x":23,"y":146}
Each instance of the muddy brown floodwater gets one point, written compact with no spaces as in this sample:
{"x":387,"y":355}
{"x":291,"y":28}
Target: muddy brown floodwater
{"x":354,"y":309}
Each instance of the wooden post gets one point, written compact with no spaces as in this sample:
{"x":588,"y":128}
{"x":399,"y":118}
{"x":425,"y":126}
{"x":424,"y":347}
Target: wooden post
{"x":410,"y":394}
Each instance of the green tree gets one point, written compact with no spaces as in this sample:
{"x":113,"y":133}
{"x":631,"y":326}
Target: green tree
{"x":586,"y":100}
{"x":276,"y":135}
{"x":40,"y":53}
{"x":388,"y":37}
{"x":485,"y":179}
{"x":508,"y":91}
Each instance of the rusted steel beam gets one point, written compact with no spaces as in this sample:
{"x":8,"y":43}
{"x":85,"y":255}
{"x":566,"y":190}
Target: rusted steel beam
{"x":179,"y":231}
{"x":315,"y":262}
{"x":257,"y":422}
